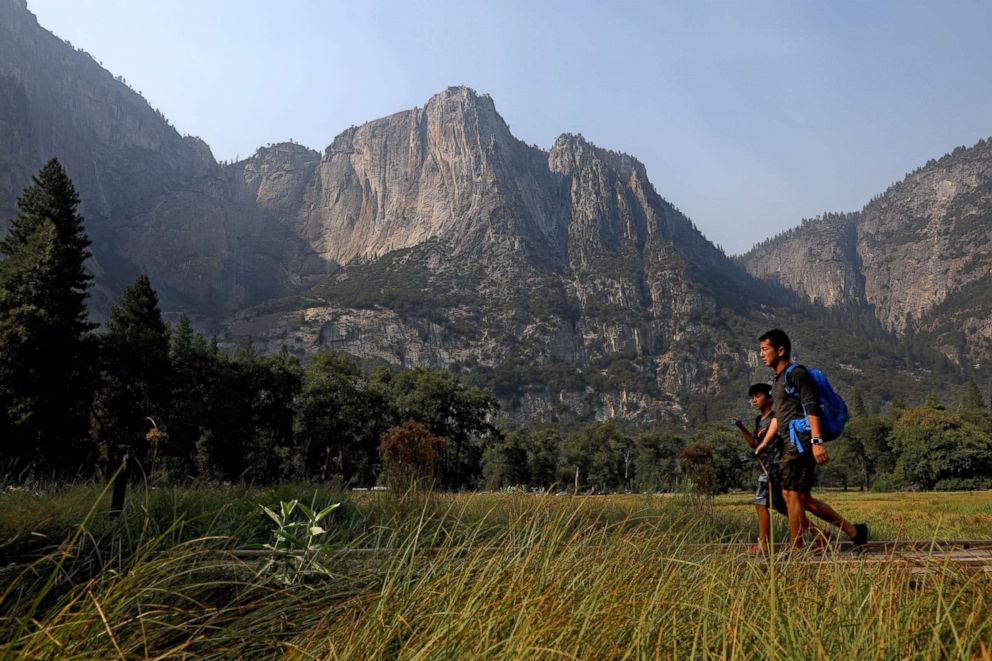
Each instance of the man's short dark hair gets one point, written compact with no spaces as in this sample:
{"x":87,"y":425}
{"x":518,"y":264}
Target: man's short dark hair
{"x":759,"y":388}
{"x":778,"y":339}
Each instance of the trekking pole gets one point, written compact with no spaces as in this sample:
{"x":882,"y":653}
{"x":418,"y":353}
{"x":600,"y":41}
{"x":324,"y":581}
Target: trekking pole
{"x":120,"y":484}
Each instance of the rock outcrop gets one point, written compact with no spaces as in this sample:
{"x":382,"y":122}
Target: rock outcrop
{"x":906,"y":253}
{"x":154,"y":201}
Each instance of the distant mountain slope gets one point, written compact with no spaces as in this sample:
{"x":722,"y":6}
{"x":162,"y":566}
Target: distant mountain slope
{"x":906,"y":254}
{"x":154,"y":200}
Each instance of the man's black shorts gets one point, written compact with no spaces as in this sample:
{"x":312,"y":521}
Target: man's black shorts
{"x":798,"y":469}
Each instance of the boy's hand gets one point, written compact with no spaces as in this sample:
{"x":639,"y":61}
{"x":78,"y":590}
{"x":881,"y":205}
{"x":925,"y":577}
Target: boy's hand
{"x":736,"y":422}
{"x":820,"y":454}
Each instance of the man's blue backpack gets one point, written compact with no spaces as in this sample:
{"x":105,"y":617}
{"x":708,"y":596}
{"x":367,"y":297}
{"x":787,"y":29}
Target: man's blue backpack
{"x":834,"y":409}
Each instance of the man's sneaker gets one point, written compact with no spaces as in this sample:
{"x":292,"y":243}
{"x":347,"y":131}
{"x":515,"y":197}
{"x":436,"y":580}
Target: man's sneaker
{"x":861,"y":534}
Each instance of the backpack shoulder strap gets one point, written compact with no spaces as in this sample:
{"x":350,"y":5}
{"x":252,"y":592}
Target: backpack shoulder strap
{"x":790,"y":390}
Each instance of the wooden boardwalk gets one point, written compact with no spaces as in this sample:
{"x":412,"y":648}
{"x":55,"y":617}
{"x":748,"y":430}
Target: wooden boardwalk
{"x":926,"y":556}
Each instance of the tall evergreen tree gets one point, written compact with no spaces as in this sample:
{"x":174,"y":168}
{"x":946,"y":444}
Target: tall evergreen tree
{"x":46,"y":352}
{"x":972,"y":408}
{"x":193,"y":386}
{"x":134,"y":379}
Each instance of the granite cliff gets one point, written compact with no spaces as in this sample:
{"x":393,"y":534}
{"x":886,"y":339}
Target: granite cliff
{"x":458,"y":244}
{"x":154,"y":200}
{"x":919,"y":246}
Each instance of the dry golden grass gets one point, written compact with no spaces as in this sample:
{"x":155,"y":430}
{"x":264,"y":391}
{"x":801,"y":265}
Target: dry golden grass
{"x":514,"y":576}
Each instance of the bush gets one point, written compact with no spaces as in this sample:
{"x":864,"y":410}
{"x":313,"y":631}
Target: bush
{"x":410,"y":455}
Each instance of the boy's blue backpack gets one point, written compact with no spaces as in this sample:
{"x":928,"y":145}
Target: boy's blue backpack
{"x":834,"y":409}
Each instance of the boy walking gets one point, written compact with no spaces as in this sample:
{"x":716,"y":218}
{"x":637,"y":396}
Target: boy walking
{"x":794,"y":397}
{"x":767,"y":448}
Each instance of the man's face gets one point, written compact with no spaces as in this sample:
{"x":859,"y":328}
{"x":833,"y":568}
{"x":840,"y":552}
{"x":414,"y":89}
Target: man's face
{"x":760,"y":401}
{"x":769,"y":354}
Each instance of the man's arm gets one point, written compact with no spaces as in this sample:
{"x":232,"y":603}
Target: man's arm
{"x":767,"y":438}
{"x":811,"y":402}
{"x":819,"y":450}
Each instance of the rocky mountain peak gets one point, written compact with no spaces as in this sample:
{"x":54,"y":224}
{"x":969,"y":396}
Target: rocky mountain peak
{"x":15,"y":10}
{"x":572,"y":152}
{"x":460,"y":99}
{"x":284,"y":152}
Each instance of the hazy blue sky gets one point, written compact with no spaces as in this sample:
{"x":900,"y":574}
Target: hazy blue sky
{"x":748,"y":115}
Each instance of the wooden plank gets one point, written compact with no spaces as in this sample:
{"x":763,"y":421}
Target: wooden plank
{"x":884,"y":549}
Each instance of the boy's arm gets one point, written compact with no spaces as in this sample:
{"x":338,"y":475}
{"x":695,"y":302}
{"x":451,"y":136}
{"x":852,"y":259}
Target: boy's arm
{"x":751,"y":440}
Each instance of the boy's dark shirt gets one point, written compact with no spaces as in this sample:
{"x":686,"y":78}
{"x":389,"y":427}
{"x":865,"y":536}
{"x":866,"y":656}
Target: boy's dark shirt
{"x":773,"y":452}
{"x":790,"y":407}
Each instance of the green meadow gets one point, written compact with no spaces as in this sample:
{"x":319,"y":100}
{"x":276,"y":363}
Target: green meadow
{"x":188,"y":573}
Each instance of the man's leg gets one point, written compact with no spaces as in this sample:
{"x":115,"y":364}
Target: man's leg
{"x":824,"y":511}
{"x":797,"y":516}
{"x":820,"y":538}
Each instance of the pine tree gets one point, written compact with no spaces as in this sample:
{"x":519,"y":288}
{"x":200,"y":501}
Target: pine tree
{"x":46,"y":352}
{"x":972,"y":408}
{"x":134,"y":379}
{"x":858,"y":407}
{"x":193,"y":386}
{"x":933,"y":402}
{"x":971,"y":399}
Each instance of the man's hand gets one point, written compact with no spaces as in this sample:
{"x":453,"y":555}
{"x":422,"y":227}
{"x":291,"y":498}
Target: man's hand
{"x":820,"y":455}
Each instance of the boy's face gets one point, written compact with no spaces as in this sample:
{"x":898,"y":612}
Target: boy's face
{"x":760,"y":401}
{"x":769,"y":354}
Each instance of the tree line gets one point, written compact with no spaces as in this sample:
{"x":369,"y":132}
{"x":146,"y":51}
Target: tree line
{"x":927,"y":447}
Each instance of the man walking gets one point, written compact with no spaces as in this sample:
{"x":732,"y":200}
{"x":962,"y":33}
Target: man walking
{"x":794,"y":397}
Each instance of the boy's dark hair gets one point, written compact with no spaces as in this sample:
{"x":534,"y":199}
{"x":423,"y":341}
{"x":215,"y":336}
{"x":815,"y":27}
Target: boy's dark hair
{"x":778,"y":339}
{"x":759,"y":388}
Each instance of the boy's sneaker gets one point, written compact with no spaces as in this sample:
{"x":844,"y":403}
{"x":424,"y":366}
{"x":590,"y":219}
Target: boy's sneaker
{"x":821,"y":543}
{"x":861,"y":534}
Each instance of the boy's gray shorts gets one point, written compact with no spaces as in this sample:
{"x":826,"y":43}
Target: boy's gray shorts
{"x":761,"y":494}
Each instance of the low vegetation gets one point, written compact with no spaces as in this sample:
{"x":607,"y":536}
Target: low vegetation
{"x":475,"y":575}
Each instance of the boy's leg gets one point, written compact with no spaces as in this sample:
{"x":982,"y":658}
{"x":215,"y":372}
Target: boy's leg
{"x":764,"y":527}
{"x":762,"y":500}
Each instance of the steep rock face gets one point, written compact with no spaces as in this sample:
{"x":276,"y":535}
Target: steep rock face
{"x":450,"y":169}
{"x":818,"y":259}
{"x":15,"y":158}
{"x":153,"y":200}
{"x":461,"y":246}
{"x":906,"y":253}
{"x":928,"y":236}
{"x":74,"y":109}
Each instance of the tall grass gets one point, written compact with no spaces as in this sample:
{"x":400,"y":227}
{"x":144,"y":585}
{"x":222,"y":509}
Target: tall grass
{"x":476,"y":576}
